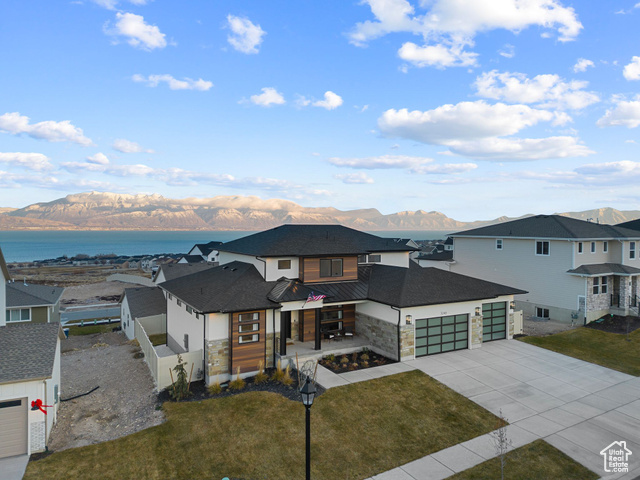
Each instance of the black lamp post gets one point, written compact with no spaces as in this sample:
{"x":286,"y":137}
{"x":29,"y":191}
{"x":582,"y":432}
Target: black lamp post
{"x":308,"y":392}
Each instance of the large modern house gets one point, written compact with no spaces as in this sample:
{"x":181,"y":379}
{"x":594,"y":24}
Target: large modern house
{"x":573,"y":270}
{"x":309,"y":289}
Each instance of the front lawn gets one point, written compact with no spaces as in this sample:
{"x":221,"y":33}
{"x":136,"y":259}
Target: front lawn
{"x":91,"y":328}
{"x":535,"y":460}
{"x":611,"y":350}
{"x":358,"y":430}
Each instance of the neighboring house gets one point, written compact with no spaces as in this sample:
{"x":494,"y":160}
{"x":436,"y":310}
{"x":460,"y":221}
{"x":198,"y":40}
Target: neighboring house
{"x":29,"y":371}
{"x":175,"y":270}
{"x":33,"y":303}
{"x":633,"y":224}
{"x":208,"y":251}
{"x":142,"y":304}
{"x":436,"y":259}
{"x":192,"y":259}
{"x":302,"y":287}
{"x":573,"y":270}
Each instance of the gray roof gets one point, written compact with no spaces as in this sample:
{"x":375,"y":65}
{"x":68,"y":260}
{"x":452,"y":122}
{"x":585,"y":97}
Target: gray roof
{"x":604,"y":269}
{"x":233,"y":287}
{"x":177,"y":270}
{"x":28,"y":351}
{"x":31,"y":295}
{"x":313,"y":240}
{"x":145,"y":301}
{"x":193,"y":258}
{"x":550,"y":226}
{"x":633,"y":224}
{"x":207,"y":248}
{"x":443,"y":256}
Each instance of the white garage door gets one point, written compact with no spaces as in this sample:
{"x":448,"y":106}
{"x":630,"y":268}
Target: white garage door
{"x":13,"y":425}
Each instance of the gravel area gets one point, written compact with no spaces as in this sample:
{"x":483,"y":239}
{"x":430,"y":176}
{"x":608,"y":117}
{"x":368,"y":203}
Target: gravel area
{"x":124,"y":404}
{"x":539,"y":328}
{"x":93,"y":293}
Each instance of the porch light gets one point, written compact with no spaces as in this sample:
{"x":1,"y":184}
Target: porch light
{"x":477,"y":311}
{"x":512,"y":305}
{"x":409,"y":319}
{"x":308,"y":392}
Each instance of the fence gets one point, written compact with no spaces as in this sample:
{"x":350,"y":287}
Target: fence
{"x":160,"y":366}
{"x":517,"y":323}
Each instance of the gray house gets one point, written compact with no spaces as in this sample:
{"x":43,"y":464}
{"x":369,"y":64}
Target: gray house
{"x":573,"y":270}
{"x":33,"y":303}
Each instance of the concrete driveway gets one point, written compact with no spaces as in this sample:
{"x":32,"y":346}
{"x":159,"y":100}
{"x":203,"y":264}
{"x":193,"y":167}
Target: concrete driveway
{"x":12,"y":468}
{"x":576,"y":406}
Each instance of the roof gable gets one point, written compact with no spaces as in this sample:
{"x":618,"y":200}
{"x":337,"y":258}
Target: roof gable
{"x":145,"y":301}
{"x":31,"y":295}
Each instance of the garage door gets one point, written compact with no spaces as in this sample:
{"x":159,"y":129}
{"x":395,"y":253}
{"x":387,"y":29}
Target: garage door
{"x":441,"y":334}
{"x":494,"y":322}
{"x":13,"y":425}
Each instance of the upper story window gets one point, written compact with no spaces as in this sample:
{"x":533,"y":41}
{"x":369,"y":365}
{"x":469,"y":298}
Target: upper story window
{"x":542,"y":247}
{"x":369,"y":258}
{"x":580,"y":247}
{"x":330,"y":267}
{"x":605,"y":247}
{"x":632,"y":250}
{"x":284,"y":264}
{"x":498,"y":244}
{"x":593,"y":247}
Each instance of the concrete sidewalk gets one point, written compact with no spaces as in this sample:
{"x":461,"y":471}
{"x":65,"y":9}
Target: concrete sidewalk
{"x":578,"y":407}
{"x":13,"y":468}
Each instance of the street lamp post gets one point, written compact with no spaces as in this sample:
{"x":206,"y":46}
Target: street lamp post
{"x":308,"y":392}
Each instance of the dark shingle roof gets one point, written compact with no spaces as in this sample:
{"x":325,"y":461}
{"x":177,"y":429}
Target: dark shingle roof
{"x":605,"y":269}
{"x":550,"y":226}
{"x":21,"y":295}
{"x":145,"y":301}
{"x":437,"y":256}
{"x":207,"y":248}
{"x":414,"y":286}
{"x":177,"y":270}
{"x":313,"y":240}
{"x":193,"y":258}
{"x":633,"y":224}
{"x":233,"y":287}
{"x":28,"y":351}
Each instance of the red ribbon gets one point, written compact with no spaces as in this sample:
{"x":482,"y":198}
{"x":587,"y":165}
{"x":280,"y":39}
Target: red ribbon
{"x":38,"y":404}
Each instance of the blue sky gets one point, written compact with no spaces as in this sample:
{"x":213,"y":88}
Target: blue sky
{"x":474,"y":109}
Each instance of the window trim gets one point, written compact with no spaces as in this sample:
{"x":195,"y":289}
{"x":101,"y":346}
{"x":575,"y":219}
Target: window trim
{"x":255,"y":317}
{"x":284,"y":262}
{"x":540,"y":312}
{"x":254,"y":328}
{"x":596,"y":286}
{"x":542,"y":242}
{"x":8,"y":315}
{"x":605,"y":246}
{"x":632,"y":250}
{"x":255,"y":338}
{"x":604,"y":285}
{"x":332,"y":272}
{"x":499,"y":244}
{"x":580,"y":248}
{"x":593,"y":247}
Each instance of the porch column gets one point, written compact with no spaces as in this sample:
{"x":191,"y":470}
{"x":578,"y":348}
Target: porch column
{"x":318,"y":340}
{"x":284,"y":318}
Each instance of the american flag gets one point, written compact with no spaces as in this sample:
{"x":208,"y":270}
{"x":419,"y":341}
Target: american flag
{"x":314,"y":298}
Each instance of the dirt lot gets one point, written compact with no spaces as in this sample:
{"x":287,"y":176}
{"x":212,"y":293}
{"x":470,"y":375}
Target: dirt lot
{"x":124,"y":403}
{"x":538,"y":328}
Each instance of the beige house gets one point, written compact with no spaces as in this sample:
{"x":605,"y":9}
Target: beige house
{"x":574,"y":271}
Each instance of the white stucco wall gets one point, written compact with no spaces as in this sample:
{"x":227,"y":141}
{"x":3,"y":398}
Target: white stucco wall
{"x":395,"y":259}
{"x":181,"y":322}
{"x":217,"y":326}
{"x":273,"y":273}
{"x":226,"y":257}
{"x":379,"y":310}
{"x":442,"y":265}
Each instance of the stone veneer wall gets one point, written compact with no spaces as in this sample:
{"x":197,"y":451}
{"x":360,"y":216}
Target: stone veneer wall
{"x":269,"y":359}
{"x":217,"y":357}
{"x":602,"y":301}
{"x":476,"y":332}
{"x":382,"y":335}
{"x":511,"y":326}
{"x":407,"y":339}
{"x":37,"y":436}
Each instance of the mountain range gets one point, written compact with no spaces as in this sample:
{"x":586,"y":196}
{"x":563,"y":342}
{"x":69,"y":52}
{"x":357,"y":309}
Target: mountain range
{"x":111,"y":211}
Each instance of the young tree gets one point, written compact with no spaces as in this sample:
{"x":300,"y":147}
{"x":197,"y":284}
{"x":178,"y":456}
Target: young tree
{"x":180,"y":388}
{"x":501,"y":442}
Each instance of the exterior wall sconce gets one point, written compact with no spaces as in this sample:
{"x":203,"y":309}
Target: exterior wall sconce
{"x":409,"y":319}
{"x":477,"y":311}
{"x":512,"y":305}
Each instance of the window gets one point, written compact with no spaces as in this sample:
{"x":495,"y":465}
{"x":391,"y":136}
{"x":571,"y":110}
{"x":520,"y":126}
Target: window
{"x":189,"y":309}
{"x":170,"y":296}
{"x":499,"y":244}
{"x":19,"y":315}
{"x":186,"y":341}
{"x":632,"y":250}
{"x":542,"y":312}
{"x":374,"y":258}
{"x":605,"y":247}
{"x":248,"y":338}
{"x":542,"y":247}
{"x":593,"y":247}
{"x":362,"y":259}
{"x":284,"y":264}
{"x":580,"y":247}
{"x":249,"y":327}
{"x":179,"y":303}
{"x":249,"y":317}
{"x":603,"y":285}
{"x":596,"y":285}
{"x":330,"y":267}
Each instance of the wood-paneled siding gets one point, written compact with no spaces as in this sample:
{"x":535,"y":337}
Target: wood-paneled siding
{"x":247,"y":355}
{"x":310,"y":271}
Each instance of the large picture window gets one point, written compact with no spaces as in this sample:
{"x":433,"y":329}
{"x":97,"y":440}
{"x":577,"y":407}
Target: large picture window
{"x":19,"y":315}
{"x":330,"y":267}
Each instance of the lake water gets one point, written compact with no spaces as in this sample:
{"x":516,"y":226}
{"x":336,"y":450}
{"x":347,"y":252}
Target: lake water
{"x":27,"y":246}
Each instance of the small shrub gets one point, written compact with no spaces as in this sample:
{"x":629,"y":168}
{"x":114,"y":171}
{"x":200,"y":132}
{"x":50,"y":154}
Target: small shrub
{"x":237,"y":384}
{"x":278,"y":374}
{"x":364,"y":357}
{"x":134,"y":342}
{"x":215,"y":388}
{"x":286,"y":379}
{"x":330,"y":358}
{"x":261,"y":377}
{"x":344,"y":360}
{"x":354,"y":357}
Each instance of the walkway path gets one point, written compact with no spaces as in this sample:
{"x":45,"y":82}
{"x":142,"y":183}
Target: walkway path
{"x":576,"y":406}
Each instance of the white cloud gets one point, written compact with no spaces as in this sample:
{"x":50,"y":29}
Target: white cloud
{"x":522,"y":149}
{"x":49,"y":130}
{"x":98,"y":159}
{"x":174,"y":83}
{"x":302,"y":101}
{"x":111,"y":4}
{"x":419,"y":165}
{"x":625,"y":114}
{"x":632,"y":70}
{"x":246,"y":36}
{"x":508,"y":51}
{"x":437,"y":55}
{"x":269,"y":96}
{"x":354,"y":178}
{"x":126,"y":146}
{"x":138,"y":33}
{"x":582,"y":64}
{"x":549,"y":91}
{"x":448,"y":26}
{"x":594,"y":175}
{"x":31,"y":161}
{"x":331,"y":101}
